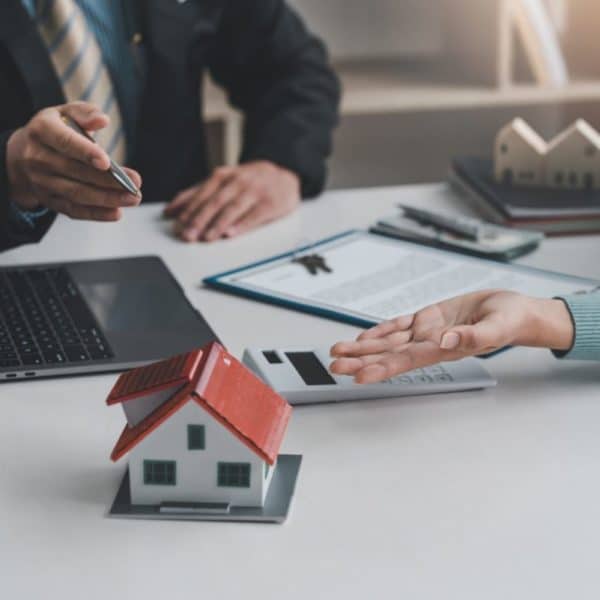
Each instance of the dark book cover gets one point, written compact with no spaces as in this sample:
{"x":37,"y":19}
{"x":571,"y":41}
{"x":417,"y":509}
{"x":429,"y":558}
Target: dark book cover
{"x":525,"y":203}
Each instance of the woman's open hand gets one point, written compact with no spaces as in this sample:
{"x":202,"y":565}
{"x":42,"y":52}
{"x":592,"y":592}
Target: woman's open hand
{"x":468,"y":325}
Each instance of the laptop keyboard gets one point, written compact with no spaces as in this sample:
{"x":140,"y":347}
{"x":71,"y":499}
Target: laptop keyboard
{"x":45,"y":321}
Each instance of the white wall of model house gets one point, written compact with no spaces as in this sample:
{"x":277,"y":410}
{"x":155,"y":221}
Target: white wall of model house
{"x":196,"y":470}
{"x":519,"y":155}
{"x":570,"y":161}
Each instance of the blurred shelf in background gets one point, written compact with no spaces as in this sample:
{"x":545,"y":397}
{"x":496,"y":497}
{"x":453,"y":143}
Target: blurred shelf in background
{"x":380,"y":87}
{"x":448,"y":56}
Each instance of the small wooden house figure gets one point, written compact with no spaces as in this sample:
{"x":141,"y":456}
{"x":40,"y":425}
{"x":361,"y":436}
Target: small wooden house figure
{"x":201,"y":429}
{"x":573,"y":158}
{"x":519,"y":155}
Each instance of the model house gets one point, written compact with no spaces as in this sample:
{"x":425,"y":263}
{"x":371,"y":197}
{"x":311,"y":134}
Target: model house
{"x":520,"y":153}
{"x":570,"y":161}
{"x":201,"y":429}
{"x":573,"y":158}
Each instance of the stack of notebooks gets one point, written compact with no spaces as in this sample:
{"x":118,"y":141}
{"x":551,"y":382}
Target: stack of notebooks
{"x":554,"y":212}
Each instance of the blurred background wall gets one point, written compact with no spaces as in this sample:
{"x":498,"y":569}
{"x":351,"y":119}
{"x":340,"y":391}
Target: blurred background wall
{"x":425,"y":80}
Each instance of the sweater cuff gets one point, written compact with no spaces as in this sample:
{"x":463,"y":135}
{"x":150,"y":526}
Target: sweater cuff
{"x":585,"y":314}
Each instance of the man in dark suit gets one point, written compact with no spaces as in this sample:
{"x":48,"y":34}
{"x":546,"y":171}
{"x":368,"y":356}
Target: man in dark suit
{"x":131,"y":71}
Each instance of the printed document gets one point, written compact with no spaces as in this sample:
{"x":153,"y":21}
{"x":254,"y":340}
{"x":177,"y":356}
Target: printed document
{"x":375,"y":278}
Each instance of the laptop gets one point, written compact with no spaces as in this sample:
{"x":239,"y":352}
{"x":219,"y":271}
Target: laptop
{"x":96,"y":316}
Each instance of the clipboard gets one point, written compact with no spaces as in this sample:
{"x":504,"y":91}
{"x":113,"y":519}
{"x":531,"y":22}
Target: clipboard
{"x":266,"y":280}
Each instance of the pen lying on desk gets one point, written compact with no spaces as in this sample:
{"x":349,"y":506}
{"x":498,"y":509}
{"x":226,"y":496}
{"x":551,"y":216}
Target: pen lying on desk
{"x":466,"y":230}
{"x":115,"y":170}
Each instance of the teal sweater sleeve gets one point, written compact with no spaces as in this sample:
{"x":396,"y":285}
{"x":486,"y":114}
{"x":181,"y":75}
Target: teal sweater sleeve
{"x":585,"y":313}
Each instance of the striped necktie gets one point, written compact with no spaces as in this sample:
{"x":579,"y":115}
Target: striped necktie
{"x":80,"y":67}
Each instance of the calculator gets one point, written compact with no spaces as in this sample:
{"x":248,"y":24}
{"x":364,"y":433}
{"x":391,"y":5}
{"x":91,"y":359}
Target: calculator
{"x":301,"y":376}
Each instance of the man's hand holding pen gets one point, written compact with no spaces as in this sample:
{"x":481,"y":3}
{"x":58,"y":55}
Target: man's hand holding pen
{"x":50,"y":165}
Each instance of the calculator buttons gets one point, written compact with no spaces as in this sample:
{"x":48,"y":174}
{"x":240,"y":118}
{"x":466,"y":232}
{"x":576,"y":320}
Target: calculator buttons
{"x":399,"y":380}
{"x":272,"y":357}
{"x":443,"y":378}
{"x":436,"y":374}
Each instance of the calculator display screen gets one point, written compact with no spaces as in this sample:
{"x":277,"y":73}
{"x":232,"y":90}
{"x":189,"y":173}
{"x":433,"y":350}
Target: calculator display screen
{"x":310,"y":368}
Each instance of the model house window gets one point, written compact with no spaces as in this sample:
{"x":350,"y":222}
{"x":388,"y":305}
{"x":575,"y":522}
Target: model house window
{"x":233,"y":474}
{"x":573,"y":179}
{"x":559,"y":178}
{"x":159,"y":472}
{"x":196,"y":437}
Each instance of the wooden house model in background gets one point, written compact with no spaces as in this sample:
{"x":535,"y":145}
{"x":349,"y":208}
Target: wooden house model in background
{"x":570,"y":161}
{"x":573,"y":158}
{"x":519,"y":155}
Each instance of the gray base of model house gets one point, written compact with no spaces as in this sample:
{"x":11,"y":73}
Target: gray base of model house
{"x":275,"y":510}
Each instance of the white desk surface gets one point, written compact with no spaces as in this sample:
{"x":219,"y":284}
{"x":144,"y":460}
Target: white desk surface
{"x":484,"y":495}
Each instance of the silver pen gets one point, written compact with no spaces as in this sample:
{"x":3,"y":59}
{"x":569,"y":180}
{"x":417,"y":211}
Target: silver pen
{"x":443,"y":222}
{"x":115,"y":170}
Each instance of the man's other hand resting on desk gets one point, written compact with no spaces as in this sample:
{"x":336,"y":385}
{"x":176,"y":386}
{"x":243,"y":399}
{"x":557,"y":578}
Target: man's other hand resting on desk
{"x":234,"y":200}
{"x":49,"y":165}
{"x":471,"y":325}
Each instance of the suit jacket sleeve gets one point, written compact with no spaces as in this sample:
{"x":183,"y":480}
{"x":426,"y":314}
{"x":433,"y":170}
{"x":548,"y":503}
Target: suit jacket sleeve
{"x":12,"y":233}
{"x":277,"y":73}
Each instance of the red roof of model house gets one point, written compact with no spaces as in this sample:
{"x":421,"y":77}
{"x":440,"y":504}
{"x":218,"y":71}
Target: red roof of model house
{"x":219,"y":383}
